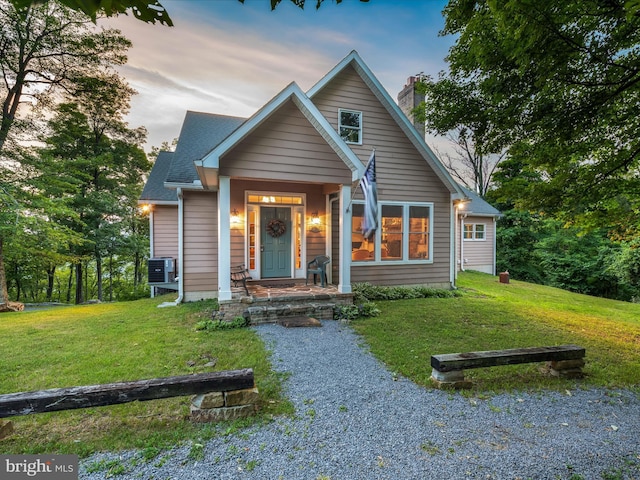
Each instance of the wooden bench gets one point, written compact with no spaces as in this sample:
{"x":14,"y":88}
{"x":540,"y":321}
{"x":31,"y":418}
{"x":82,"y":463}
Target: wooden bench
{"x":56,"y":399}
{"x":562,"y":361}
{"x":240,"y":275}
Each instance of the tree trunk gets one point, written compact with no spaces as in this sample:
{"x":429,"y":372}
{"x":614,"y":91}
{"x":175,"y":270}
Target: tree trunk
{"x":99,"y":274}
{"x":79,"y":279}
{"x":51,"y":274}
{"x":111,"y":278}
{"x":70,"y":283}
{"x":4,"y":293}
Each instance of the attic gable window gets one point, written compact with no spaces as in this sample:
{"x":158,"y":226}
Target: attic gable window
{"x":350,"y":126}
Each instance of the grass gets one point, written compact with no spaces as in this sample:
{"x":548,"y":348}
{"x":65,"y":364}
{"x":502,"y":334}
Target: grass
{"x":491,"y":315}
{"x":124,"y":341}
{"x":86,"y":345}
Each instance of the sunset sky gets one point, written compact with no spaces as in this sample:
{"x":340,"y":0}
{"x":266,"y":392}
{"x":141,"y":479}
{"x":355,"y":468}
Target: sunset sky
{"x":228,"y":58}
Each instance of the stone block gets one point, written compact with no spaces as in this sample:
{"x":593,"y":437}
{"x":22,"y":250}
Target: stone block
{"x":223,"y":414}
{"x":248,"y":396}
{"x":567,"y":364}
{"x":454,"y":379}
{"x":208,"y":400}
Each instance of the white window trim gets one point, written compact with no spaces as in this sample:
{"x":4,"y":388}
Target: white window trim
{"x":405,"y":236}
{"x":360,"y":130}
{"x":474,"y":233}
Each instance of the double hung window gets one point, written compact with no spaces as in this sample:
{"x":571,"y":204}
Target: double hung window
{"x":350,"y":126}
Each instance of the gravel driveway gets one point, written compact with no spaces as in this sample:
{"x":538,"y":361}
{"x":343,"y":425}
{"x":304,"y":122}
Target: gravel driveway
{"x":356,"y":420}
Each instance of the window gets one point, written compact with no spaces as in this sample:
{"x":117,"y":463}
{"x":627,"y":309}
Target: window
{"x":474,"y":231}
{"x":350,"y":126}
{"x":404,"y":234}
{"x":361,"y":250}
{"x":391,"y":232}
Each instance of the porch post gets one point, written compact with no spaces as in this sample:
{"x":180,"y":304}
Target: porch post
{"x":345,"y":240}
{"x":224,"y":238}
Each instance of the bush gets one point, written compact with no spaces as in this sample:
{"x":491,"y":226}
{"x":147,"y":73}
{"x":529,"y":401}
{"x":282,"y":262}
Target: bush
{"x":217,"y":322}
{"x":352,"y":312}
{"x":364,"y":292}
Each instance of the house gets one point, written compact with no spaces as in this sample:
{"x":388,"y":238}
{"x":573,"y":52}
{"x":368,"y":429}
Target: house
{"x":279,"y":188}
{"x":476,"y":219}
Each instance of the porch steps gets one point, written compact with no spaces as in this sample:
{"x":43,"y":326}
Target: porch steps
{"x":269,"y":305}
{"x":275,"y":313}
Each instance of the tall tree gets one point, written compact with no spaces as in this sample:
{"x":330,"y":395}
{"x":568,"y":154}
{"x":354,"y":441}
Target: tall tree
{"x":562,"y":84}
{"x":93,"y":143}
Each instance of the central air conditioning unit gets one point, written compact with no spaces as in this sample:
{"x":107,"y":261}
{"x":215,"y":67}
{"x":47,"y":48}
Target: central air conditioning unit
{"x":162,"y":270}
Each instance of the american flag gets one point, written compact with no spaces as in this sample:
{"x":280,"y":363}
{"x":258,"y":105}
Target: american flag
{"x":370,"y":191}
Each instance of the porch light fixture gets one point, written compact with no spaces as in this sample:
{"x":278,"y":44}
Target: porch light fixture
{"x":235,"y":216}
{"x":145,"y":209}
{"x":314,"y":223}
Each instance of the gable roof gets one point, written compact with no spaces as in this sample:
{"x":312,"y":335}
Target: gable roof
{"x":154,"y":190}
{"x":290,"y":93}
{"x":394,"y":110}
{"x":478,"y":206}
{"x":200,"y":133}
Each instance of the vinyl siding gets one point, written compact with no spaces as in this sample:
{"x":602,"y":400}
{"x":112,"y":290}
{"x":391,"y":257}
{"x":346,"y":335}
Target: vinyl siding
{"x":477,"y":254}
{"x":402,"y":175}
{"x":165,"y":231}
{"x":286,"y":147}
{"x":200,"y":245}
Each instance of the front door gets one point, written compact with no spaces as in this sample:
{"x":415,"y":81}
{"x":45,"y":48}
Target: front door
{"x":275,"y":241}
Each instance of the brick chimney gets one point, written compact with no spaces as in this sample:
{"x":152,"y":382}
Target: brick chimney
{"x":408,"y":99}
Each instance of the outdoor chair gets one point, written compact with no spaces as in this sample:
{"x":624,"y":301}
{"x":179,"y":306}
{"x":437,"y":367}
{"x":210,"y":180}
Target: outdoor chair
{"x":318,"y":266}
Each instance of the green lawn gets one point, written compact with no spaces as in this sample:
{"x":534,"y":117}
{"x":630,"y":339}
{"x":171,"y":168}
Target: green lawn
{"x":86,"y":345}
{"x":491,"y":315}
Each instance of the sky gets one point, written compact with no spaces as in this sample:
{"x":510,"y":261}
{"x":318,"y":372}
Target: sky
{"x":229,"y":58}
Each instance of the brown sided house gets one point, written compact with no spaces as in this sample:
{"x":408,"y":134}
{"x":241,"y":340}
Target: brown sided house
{"x":275,"y":190}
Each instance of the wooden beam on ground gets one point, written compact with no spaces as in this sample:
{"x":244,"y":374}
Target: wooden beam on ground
{"x":491,"y":358}
{"x":25,"y":403}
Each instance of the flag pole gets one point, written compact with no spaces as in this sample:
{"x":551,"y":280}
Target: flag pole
{"x":353,"y":195}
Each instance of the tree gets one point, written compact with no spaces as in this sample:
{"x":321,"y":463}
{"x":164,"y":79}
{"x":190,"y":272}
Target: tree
{"x":93,"y":144}
{"x":454,"y":108}
{"x":44,"y":49}
{"x":561,"y":82}
{"x":149,"y":11}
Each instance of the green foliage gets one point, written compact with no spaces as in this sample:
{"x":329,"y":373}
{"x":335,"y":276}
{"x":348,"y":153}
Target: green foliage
{"x":214,"y":324}
{"x":366,"y":291}
{"x":363,"y":293}
{"x":560,"y":83}
{"x":149,"y":11}
{"x":541,"y":250}
{"x":352,"y":312}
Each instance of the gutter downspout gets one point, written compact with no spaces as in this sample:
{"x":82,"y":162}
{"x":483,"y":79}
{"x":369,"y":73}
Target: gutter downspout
{"x":452,"y":243}
{"x":178,"y":300}
{"x":151,"y":249}
{"x":462,"y":217}
{"x":495,"y":244}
